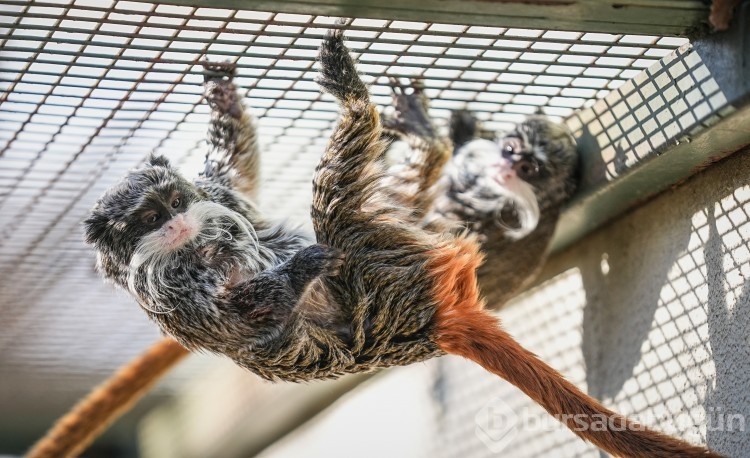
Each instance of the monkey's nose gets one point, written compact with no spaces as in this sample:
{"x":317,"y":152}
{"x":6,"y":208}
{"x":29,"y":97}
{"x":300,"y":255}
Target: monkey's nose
{"x":178,"y":230}
{"x":504,"y":170}
{"x":176,"y":223}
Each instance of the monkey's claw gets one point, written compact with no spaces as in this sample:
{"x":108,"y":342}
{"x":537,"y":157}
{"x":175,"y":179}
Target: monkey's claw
{"x":410,"y":117}
{"x":219,"y":90}
{"x":219,"y":71}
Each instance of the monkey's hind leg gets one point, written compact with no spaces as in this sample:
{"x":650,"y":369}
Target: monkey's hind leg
{"x":346,"y":178}
{"x":234,"y":156}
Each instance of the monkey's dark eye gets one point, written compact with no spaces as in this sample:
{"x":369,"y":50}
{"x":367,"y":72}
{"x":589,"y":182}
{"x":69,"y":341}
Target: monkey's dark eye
{"x":150,"y":218}
{"x":526,"y":168}
{"x":176,"y":202}
{"x":508,"y":151}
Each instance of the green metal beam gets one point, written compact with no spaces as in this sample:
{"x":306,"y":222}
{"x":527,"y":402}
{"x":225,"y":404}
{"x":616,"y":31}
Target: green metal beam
{"x":650,"y":17}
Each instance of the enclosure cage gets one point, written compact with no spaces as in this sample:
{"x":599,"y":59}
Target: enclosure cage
{"x":90,"y":88}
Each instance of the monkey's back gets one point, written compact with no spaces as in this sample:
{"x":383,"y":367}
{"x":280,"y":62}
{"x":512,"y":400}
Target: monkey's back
{"x":394,"y":277}
{"x":388,"y":294}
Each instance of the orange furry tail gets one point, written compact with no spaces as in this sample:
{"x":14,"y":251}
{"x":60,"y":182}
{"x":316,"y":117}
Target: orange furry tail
{"x":91,"y":416}
{"x":476,"y":335}
{"x":464,"y":328}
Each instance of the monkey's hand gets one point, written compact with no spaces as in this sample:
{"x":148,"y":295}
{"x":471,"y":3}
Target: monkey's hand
{"x":219,"y":90}
{"x":267,"y":299}
{"x":413,"y":181}
{"x":310,"y":263}
{"x":410,"y":118}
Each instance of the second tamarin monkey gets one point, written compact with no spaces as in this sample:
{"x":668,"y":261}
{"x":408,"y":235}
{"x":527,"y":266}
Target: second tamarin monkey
{"x":508,"y":192}
{"x":398,"y":295}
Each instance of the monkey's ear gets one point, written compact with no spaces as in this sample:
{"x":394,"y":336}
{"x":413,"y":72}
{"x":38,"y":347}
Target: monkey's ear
{"x":94,"y":227}
{"x":157,"y":161}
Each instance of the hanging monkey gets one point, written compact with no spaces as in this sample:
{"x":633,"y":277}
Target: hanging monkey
{"x":508,"y":192}
{"x":375,"y":291}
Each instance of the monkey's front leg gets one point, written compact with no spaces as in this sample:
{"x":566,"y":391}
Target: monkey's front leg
{"x":413,"y":180}
{"x":272,"y":294}
{"x":234,"y":157}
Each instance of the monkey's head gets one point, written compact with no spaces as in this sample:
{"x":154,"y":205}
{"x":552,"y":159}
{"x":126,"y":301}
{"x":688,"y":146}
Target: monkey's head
{"x":511,"y":182}
{"x":156,"y":216}
{"x":543,"y":154}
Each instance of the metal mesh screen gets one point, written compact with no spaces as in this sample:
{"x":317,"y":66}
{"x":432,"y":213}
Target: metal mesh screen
{"x":91,"y":87}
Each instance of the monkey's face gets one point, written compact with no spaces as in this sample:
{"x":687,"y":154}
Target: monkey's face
{"x":512,"y":181}
{"x":150,"y":201}
{"x":543,"y":154}
{"x":155,"y":215}
{"x":490,"y":190}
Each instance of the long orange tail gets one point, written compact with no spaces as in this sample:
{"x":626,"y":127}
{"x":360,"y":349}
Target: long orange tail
{"x":91,"y":416}
{"x":475,"y":334}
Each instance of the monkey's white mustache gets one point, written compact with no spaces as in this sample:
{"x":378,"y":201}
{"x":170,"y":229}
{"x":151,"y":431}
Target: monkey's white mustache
{"x":522,"y":198}
{"x":486,"y":182}
{"x":158,"y":252}
{"x":490,"y":198}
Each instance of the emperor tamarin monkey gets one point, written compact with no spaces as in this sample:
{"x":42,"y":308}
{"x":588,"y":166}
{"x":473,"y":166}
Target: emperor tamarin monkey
{"x":233,"y":162}
{"x":509,"y":192}
{"x":399,"y":295}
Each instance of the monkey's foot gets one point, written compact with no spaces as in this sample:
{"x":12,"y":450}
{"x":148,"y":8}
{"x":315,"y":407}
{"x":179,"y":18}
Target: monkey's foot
{"x":219,"y":71}
{"x":219,"y":90}
{"x":410,"y":117}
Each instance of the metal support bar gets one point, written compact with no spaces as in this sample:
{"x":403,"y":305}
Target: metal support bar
{"x":652,"y":17}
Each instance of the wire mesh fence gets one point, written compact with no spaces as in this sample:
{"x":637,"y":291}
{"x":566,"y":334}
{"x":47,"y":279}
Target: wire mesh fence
{"x":89,"y":88}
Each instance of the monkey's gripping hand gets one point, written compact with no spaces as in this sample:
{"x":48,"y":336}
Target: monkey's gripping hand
{"x":234,"y":158}
{"x":308,"y":264}
{"x":219,"y":90}
{"x":412,"y":182}
{"x":410,"y":118}
{"x":267,"y":301}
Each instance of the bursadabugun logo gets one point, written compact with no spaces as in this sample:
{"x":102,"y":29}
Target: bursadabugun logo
{"x":496,"y":425}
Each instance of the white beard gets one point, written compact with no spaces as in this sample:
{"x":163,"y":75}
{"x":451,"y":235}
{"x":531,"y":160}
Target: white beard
{"x":481,"y":158}
{"x":211,"y":223}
